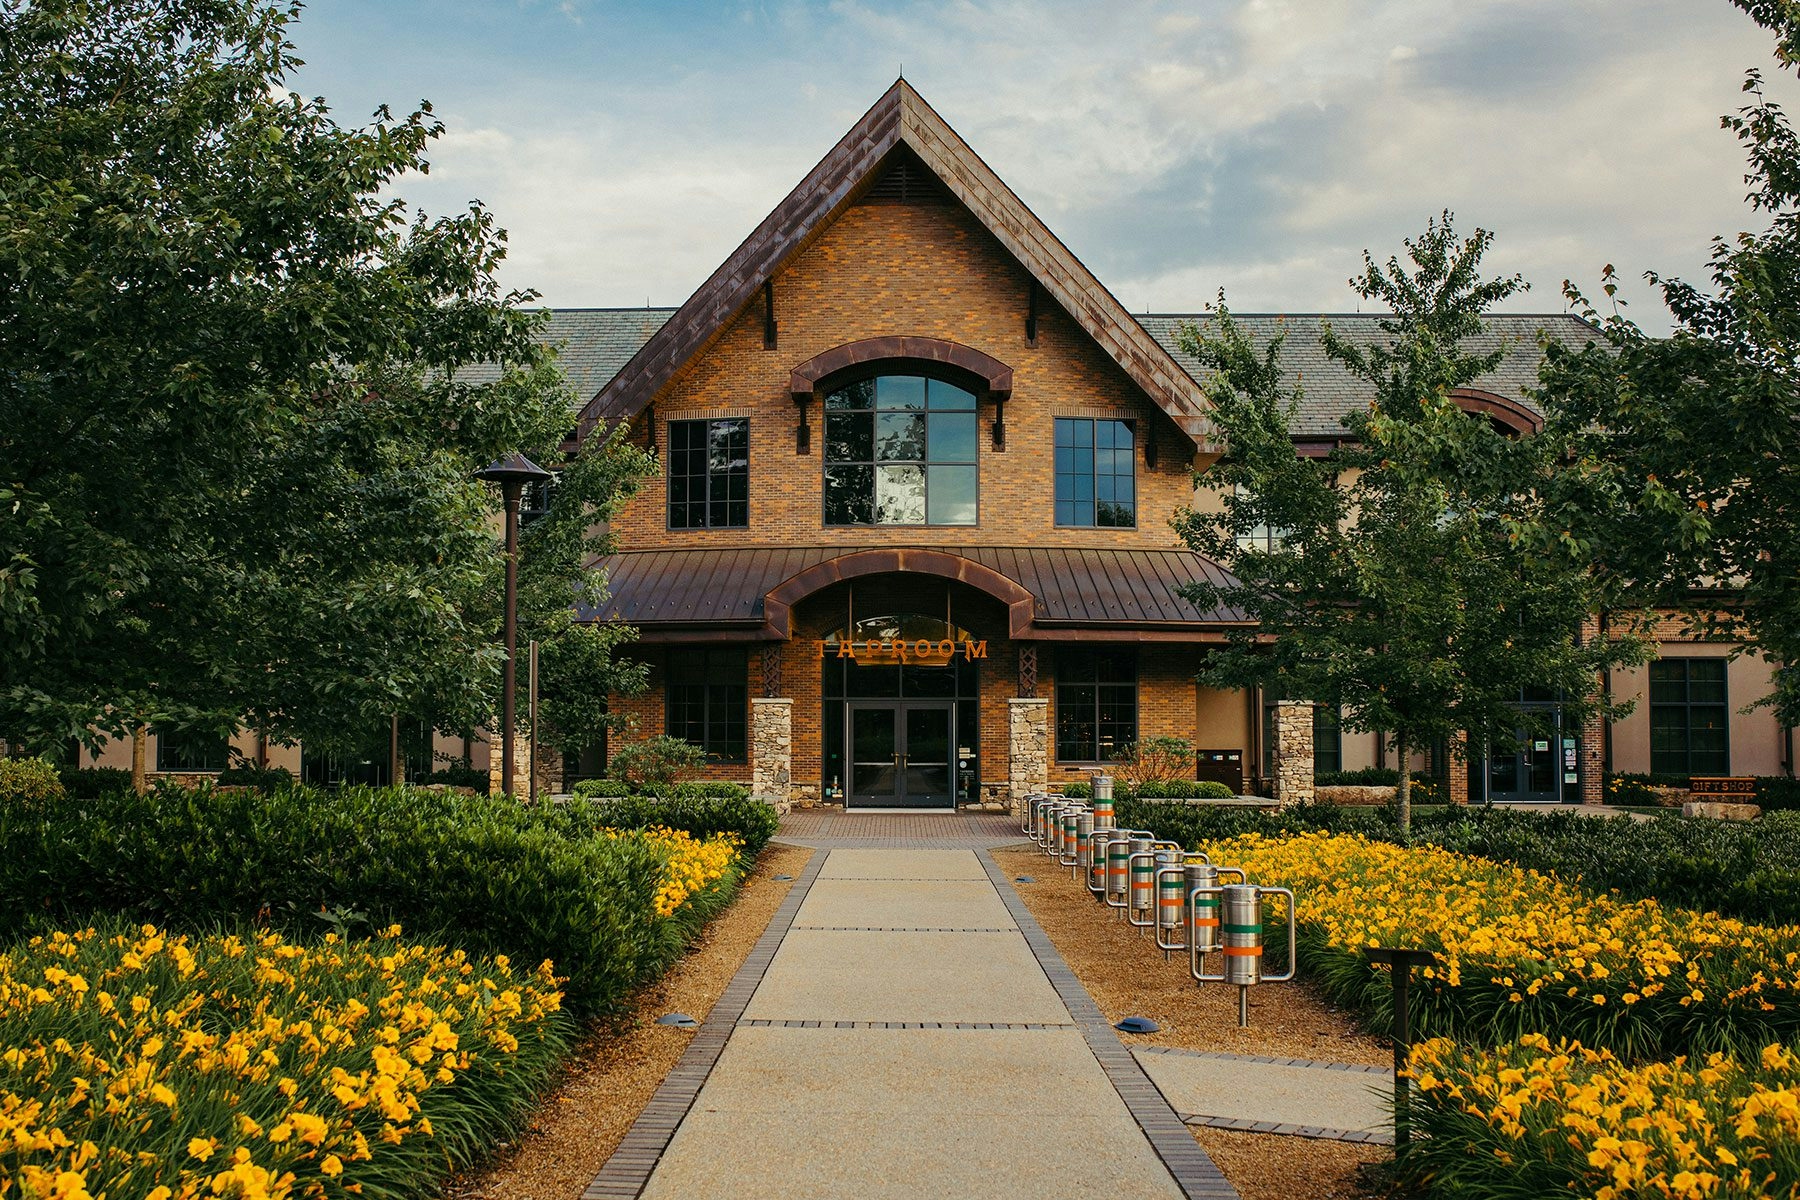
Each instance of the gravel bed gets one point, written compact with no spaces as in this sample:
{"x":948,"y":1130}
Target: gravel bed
{"x":615,"y":1072}
{"x":1127,"y":976}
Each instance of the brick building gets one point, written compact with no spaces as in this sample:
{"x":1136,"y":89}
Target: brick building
{"x":912,"y":545}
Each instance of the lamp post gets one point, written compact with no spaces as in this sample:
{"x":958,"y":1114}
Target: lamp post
{"x":512,"y":473}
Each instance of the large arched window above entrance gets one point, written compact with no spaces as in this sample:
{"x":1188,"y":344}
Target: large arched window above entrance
{"x":900,"y":449}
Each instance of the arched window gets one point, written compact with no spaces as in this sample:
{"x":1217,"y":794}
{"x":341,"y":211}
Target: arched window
{"x":900,"y":450}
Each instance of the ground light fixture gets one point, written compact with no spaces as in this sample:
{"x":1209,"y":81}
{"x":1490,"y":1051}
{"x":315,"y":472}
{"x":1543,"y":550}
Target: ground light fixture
{"x":512,"y":472}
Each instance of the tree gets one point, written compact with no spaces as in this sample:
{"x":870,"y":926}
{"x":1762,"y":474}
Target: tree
{"x":1422,"y":576}
{"x":1698,"y":429}
{"x":237,"y":416}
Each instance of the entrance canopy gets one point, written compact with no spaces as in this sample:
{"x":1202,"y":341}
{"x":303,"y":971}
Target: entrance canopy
{"x":1050,"y":593}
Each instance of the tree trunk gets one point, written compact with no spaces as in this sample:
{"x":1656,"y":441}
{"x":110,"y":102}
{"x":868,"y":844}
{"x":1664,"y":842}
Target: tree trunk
{"x":1403,"y":793}
{"x":140,"y":775}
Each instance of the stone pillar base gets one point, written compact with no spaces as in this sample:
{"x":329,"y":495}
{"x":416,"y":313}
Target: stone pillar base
{"x":1028,"y":749}
{"x":772,"y":751}
{"x":1293,"y":752}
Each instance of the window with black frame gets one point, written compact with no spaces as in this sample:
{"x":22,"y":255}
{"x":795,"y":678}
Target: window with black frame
{"x":1096,"y":703}
{"x":709,"y":474}
{"x":707,"y":695}
{"x":1096,"y":480}
{"x":1689,"y":717}
{"x":900,"y":450}
{"x":187,"y":750}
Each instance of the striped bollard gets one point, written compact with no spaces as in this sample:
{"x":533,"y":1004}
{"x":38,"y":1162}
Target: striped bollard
{"x":1241,"y":927}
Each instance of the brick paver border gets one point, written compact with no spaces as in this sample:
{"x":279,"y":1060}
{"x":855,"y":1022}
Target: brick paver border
{"x":1194,"y":1171}
{"x":629,"y":1168}
{"x":1245,"y":1125}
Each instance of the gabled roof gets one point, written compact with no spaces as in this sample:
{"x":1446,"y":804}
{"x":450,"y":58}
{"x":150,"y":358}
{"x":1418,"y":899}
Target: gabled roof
{"x":901,"y":118}
{"x":1329,"y":392}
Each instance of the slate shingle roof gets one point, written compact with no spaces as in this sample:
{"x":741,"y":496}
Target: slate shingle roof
{"x":594,"y":344}
{"x":1329,"y":391}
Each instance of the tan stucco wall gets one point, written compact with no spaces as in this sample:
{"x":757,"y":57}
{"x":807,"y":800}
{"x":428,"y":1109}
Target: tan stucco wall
{"x":1755,"y":736}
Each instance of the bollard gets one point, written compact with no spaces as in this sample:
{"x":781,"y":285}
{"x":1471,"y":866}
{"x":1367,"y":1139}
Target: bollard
{"x":1084,"y":837}
{"x":1071,"y":841}
{"x":1103,"y":801}
{"x":1171,"y":898}
{"x":1098,"y":852}
{"x":1120,"y":879}
{"x":1200,"y":880}
{"x":1144,"y":865}
{"x":1241,"y":924}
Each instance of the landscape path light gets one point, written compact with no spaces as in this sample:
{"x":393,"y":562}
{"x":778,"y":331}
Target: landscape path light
{"x":512,"y":473}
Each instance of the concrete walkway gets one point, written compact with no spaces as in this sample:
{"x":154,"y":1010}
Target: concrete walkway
{"x":905,"y":1030}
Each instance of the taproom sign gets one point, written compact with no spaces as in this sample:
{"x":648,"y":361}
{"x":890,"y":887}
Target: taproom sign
{"x":917,"y":651}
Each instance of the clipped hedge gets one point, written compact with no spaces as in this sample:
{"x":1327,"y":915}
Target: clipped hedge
{"x":1157,"y":789}
{"x":490,"y":875}
{"x":700,"y":813}
{"x":1745,"y":869}
{"x":88,"y":782}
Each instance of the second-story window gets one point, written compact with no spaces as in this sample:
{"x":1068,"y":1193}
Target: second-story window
{"x":709,"y":474}
{"x":1096,"y":482}
{"x":900,"y":450}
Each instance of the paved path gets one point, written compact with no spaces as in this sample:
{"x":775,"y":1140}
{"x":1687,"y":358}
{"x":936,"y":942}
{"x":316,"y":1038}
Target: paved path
{"x":905,"y":1029}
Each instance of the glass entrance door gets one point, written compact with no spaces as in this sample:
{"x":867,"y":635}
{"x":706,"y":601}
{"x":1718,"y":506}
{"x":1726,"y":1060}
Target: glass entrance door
{"x":901,"y":754}
{"x":1532,"y":772}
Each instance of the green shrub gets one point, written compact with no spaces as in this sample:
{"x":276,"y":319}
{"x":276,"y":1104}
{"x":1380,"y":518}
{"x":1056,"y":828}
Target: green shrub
{"x":1184,"y":789}
{"x":600,"y":788}
{"x":697,"y":813}
{"x":1078,"y":791}
{"x":659,"y":760}
{"x":88,"y":782}
{"x":1365,"y":777}
{"x":265,"y":779}
{"x":491,"y":875}
{"x":28,"y":782}
{"x":457,"y":775}
{"x":1778,"y":792}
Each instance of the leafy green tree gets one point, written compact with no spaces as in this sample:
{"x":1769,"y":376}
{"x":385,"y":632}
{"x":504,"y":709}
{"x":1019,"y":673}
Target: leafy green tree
{"x":237,"y":422}
{"x":1423,"y":575}
{"x":1698,"y":430}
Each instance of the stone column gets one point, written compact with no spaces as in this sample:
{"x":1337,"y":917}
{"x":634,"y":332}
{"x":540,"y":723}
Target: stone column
{"x":772,"y":750}
{"x":1293,"y":752}
{"x":1028,"y":748}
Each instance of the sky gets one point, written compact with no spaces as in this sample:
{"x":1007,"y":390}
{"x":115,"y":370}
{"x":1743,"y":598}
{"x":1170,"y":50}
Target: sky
{"x":1257,"y":147}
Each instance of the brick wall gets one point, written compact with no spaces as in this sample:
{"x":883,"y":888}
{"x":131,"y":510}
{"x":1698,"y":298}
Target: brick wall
{"x":925,"y":271}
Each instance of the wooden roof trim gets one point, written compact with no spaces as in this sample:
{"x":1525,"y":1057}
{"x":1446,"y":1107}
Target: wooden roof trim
{"x":1510,"y":413}
{"x":901,"y":116}
{"x":803,"y":379}
{"x":778,"y":603}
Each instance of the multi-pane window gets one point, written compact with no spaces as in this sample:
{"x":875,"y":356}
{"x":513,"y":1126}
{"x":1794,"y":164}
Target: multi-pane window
{"x":534,"y":501}
{"x":1096,"y":482}
{"x":709,"y":474}
{"x":707,"y":695}
{"x":1096,"y":703}
{"x":1688,"y":717}
{"x":900,"y":450}
{"x":183,"y":750}
{"x":1262,"y":536}
{"x":1328,"y":740}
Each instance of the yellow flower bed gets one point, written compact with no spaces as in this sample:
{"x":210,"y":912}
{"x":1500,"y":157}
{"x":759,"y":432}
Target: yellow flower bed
{"x":1568,"y":1119}
{"x":690,"y":866}
{"x":140,"y":1064}
{"x":1520,"y":931}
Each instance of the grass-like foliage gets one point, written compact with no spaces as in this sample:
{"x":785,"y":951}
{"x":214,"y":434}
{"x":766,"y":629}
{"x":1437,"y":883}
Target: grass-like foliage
{"x":1745,"y":869}
{"x":1541,"y":1118}
{"x":141,"y":1063}
{"x":487,"y":874}
{"x":1522,"y":952}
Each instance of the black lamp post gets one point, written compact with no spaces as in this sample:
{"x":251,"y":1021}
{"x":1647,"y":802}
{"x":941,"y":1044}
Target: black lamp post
{"x":512,"y":473}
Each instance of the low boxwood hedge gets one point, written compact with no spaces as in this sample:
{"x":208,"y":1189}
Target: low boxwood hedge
{"x":491,"y":875}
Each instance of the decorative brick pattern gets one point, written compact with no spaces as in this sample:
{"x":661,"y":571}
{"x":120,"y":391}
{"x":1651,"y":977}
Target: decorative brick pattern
{"x":1028,"y":672}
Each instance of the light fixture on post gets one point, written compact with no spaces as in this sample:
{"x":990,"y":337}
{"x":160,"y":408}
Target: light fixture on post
{"x":512,"y":473}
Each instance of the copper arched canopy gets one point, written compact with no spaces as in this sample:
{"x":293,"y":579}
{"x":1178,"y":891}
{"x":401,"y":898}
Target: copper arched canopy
{"x":996,"y":375}
{"x":1499,"y":409}
{"x":779,"y":601}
